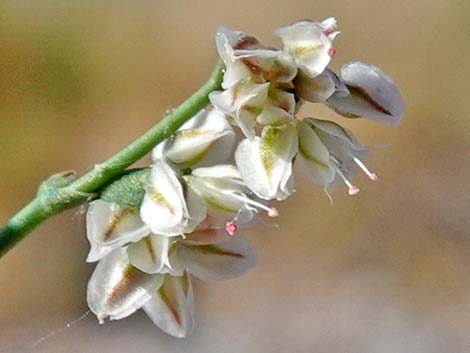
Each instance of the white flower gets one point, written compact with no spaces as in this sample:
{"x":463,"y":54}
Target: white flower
{"x":373,"y":95}
{"x":245,"y":58}
{"x":227,"y":42}
{"x":265,"y":163}
{"x":205,"y":139}
{"x":110,"y":226}
{"x":195,"y":200}
{"x":227,"y":198}
{"x":309,"y":44}
{"x":329,"y":152}
{"x":167,"y":208}
{"x":155,"y":254}
{"x":209,"y":254}
{"x":153,"y":274}
{"x":117,"y":289}
{"x":279,"y":108}
{"x":243,"y":101}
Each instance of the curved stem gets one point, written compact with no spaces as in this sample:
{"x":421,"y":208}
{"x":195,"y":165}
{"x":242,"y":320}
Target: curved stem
{"x":56,"y":197}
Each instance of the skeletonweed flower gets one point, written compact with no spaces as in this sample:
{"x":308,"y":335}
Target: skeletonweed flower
{"x":180,"y":196}
{"x":206,"y":180}
{"x":309,"y":44}
{"x":372,"y":95}
{"x":153,"y":272}
{"x":265,"y":162}
{"x":330,"y":153}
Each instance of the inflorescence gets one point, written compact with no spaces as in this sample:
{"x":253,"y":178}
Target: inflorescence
{"x":208,"y":179}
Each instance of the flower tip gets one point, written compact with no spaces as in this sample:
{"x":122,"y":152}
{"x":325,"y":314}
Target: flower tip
{"x":353,"y":190}
{"x":273,"y":212}
{"x":101,"y":319}
{"x":373,"y":177}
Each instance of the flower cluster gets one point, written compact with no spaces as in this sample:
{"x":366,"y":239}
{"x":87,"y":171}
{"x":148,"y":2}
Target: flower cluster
{"x":208,"y":180}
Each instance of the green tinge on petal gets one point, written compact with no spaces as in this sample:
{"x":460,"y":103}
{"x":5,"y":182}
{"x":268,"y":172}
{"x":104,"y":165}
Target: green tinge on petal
{"x":311,"y":157}
{"x":159,"y":198}
{"x":211,"y":202}
{"x":267,"y":150}
{"x":306,"y":50}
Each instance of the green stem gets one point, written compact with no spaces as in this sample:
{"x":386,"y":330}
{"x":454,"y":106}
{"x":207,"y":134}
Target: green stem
{"x":56,"y":197}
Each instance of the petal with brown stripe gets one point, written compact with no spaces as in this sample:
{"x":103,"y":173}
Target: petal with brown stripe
{"x":171,"y":306}
{"x":373,"y":95}
{"x":116,"y":289}
{"x":216,"y":262}
{"x":205,"y":139}
{"x":164,"y":208}
{"x":150,"y":254}
{"x":109,"y":226}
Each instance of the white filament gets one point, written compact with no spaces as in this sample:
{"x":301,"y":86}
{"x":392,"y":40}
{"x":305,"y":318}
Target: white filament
{"x":371,"y":175}
{"x":272,"y":212}
{"x":352,"y":189}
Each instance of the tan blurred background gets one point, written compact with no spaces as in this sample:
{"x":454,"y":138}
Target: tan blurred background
{"x":383,"y":272}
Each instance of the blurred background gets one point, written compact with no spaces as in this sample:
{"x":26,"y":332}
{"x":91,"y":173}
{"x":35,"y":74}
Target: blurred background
{"x":383,"y":272}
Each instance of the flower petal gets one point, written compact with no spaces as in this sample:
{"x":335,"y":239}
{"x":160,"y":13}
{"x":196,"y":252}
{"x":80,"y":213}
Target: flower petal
{"x":172,"y":306}
{"x":215,"y":262}
{"x":373,"y":95}
{"x":205,"y":139}
{"x":342,"y":145}
{"x":330,"y":132}
{"x":244,"y":102}
{"x":222,"y":171}
{"x":266,"y":163}
{"x":268,"y":64}
{"x":308,"y":45}
{"x":150,"y":254}
{"x":313,"y":156}
{"x":116,"y":288}
{"x":109,"y":226}
{"x":227,"y":40}
{"x":164,"y":208}
{"x":319,"y":88}
{"x":206,"y":236}
{"x":223,"y":192}
{"x":279,"y":109}
{"x":197,"y":210}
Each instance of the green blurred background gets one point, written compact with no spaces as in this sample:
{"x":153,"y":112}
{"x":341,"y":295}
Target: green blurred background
{"x":383,"y":272}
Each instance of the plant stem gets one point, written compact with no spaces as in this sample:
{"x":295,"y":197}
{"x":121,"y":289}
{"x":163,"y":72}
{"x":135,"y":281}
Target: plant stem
{"x":57,"y":198}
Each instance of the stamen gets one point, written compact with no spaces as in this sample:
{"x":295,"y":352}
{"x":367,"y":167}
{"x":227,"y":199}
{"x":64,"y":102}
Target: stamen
{"x":272,"y":212}
{"x":352,"y":189}
{"x":372,"y":176}
{"x":231,"y":228}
